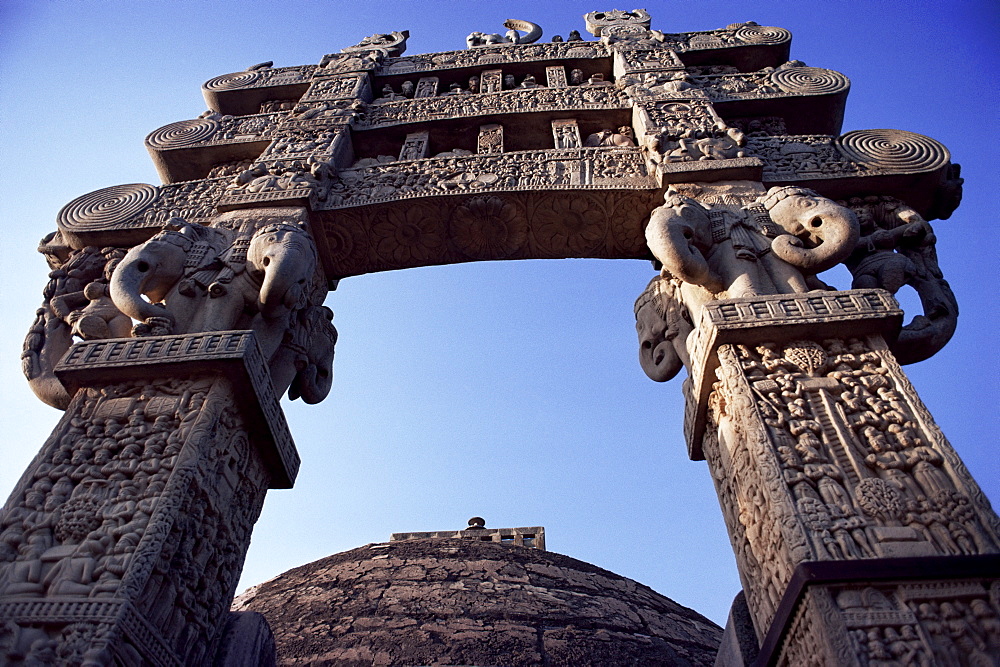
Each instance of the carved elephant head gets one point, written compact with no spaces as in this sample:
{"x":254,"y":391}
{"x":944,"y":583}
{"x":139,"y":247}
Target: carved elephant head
{"x":819,"y":233}
{"x":679,"y":235}
{"x":662,"y":330}
{"x":151,"y":270}
{"x":313,"y":381}
{"x":283,"y":257}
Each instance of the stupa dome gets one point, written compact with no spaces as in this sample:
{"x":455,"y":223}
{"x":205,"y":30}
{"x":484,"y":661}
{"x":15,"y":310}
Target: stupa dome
{"x":464,"y":602}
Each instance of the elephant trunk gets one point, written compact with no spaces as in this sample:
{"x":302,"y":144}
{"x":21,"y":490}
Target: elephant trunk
{"x":281,"y":290}
{"x":834,"y":229}
{"x":670,"y":235}
{"x":285,"y":256}
{"x":136,"y":276}
{"x":659,"y":360}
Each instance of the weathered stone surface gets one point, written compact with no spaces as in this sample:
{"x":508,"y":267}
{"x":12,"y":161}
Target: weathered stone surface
{"x":448,"y":601}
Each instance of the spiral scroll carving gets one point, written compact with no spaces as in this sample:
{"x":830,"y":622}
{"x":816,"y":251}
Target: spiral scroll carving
{"x":810,"y":80}
{"x":763,"y":34}
{"x":894,"y":150}
{"x":232,"y":81}
{"x":182,"y":133}
{"x":106,"y":208}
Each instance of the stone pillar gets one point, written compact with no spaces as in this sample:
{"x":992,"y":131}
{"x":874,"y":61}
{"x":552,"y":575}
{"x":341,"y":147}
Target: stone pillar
{"x":124,"y":540}
{"x":859,"y":534}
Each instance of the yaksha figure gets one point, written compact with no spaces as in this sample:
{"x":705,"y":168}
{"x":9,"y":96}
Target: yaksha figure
{"x":774,"y":246}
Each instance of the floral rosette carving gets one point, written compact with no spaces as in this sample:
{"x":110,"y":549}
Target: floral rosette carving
{"x":628,"y":222}
{"x":409,"y":236}
{"x":346,"y":243}
{"x":488,"y":227}
{"x":576,"y":228}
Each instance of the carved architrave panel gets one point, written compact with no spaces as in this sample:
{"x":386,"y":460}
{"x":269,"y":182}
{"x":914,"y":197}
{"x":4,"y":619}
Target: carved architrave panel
{"x":489,"y":55}
{"x":504,"y":225}
{"x":261,"y":78}
{"x":108,"y":216}
{"x":588,"y":168}
{"x":521,"y":100}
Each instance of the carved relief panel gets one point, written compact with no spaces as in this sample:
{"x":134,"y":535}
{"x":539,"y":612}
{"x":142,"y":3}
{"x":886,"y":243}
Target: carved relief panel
{"x":821,"y":451}
{"x":490,"y":139}
{"x":427,"y":86}
{"x":491,"y":81}
{"x":415,"y":146}
{"x":555,"y":76}
{"x":566,"y":134}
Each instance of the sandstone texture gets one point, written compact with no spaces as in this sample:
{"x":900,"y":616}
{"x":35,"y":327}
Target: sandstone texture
{"x":458,"y":602}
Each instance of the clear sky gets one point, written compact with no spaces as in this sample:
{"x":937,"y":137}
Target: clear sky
{"x":509,"y":390}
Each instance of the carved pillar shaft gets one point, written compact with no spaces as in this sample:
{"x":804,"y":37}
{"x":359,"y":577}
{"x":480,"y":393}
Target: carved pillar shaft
{"x":124,"y":540}
{"x":859,"y":534}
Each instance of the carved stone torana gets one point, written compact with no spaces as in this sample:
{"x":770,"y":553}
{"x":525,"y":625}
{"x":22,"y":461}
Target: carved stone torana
{"x":710,"y":152}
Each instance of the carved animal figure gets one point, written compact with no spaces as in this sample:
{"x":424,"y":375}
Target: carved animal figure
{"x":532,"y":33}
{"x":773,"y":247}
{"x":662,"y":324}
{"x":218,"y":289}
{"x":304,"y":362}
{"x":622,"y":137}
{"x":707,"y":148}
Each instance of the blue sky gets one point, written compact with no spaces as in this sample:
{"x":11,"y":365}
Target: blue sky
{"x":508,"y":390}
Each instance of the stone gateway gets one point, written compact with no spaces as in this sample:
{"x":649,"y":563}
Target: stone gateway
{"x":176,"y":316}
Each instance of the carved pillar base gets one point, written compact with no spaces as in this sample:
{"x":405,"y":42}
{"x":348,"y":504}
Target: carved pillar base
{"x":842,"y":498}
{"x":124,"y":540}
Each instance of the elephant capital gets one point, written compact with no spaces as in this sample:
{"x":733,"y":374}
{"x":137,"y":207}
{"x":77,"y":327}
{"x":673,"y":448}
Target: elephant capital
{"x":256,"y":270}
{"x":774,"y":244}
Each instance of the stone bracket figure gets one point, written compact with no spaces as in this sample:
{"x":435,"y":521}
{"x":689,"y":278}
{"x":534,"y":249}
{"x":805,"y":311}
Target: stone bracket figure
{"x":896,"y":248}
{"x":76,"y":304}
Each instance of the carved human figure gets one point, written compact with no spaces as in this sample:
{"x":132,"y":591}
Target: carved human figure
{"x":752,"y":253}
